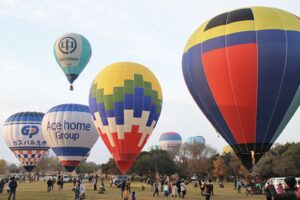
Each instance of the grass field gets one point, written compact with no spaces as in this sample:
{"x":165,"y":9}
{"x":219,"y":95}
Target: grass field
{"x":37,"y":191}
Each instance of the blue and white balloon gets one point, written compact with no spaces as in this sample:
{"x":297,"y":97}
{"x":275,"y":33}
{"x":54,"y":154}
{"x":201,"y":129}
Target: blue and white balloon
{"x":70,"y":132}
{"x":22,"y":133}
{"x":196,"y":140}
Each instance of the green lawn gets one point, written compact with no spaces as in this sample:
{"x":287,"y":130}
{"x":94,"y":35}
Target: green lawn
{"x":37,"y":191}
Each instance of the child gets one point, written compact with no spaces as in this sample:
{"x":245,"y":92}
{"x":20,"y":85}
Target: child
{"x":101,"y":189}
{"x":133,"y":195}
{"x":166,"y":190}
{"x":126,"y":194}
{"x":174,"y":190}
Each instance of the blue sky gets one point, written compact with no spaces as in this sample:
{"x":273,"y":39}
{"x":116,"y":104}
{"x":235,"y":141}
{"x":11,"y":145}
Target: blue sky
{"x":152,"y":33}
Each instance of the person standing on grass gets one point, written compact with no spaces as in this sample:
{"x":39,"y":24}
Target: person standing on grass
{"x":49,"y":184}
{"x":208,"y":190}
{"x":178,"y":187}
{"x":133,"y":195}
{"x":13,"y":187}
{"x":289,"y":189}
{"x":7,"y":186}
{"x":156,"y":188}
{"x":79,"y":191}
{"x":174,"y":190}
{"x":239,"y":186}
{"x":270,"y":190}
{"x":280,"y":188}
{"x":62,"y":182}
{"x":183,"y":189}
{"x":123,"y":185}
{"x":126,"y":194}
{"x":166,"y":189}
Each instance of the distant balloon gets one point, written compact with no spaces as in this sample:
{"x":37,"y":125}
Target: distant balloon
{"x":23,"y":135}
{"x":72,"y":52}
{"x":125,"y":103}
{"x":70,"y":132}
{"x":196,"y":140}
{"x":242,"y":69}
{"x":170,"y":141}
{"x":227,"y":149}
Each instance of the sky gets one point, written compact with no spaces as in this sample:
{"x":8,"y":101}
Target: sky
{"x":152,"y":33}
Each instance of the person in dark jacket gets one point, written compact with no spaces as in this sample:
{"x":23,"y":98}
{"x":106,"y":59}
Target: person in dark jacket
{"x":270,"y":190}
{"x":208,"y":190}
{"x":178,"y":182}
{"x":13,"y":187}
{"x":49,"y":185}
{"x":289,"y":188}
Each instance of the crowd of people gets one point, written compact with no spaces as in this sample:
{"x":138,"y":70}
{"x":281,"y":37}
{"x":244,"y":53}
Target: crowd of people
{"x":164,"y":186}
{"x":289,"y":190}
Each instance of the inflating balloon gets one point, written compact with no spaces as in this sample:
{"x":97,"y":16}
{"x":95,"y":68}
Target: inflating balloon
{"x":125,"y":103}
{"x":170,"y":141}
{"x":23,"y":135}
{"x":242,"y":69}
{"x":72,"y":52}
{"x":70,"y":132}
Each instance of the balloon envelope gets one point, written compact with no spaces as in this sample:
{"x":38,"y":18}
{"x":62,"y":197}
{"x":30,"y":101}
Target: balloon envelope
{"x":23,"y":135}
{"x":196,"y":140}
{"x":170,"y":141}
{"x":72,"y":52}
{"x":242,"y":69}
{"x":125,"y":103}
{"x":70,"y":132}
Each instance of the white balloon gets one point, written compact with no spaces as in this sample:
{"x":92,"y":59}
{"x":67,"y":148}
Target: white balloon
{"x":70,"y":132}
{"x":23,"y":135}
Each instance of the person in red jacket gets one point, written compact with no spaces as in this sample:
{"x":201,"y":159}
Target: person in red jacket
{"x":289,"y":189}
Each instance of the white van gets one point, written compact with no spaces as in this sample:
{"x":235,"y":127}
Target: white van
{"x":277,"y":180}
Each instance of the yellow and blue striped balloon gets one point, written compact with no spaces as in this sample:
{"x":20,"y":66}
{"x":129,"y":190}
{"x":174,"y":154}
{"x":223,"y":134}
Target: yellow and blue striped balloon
{"x":125,"y":103}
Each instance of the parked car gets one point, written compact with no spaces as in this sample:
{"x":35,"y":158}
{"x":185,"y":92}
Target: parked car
{"x":194,"y":177}
{"x":119,"y":179}
{"x":67,"y":178}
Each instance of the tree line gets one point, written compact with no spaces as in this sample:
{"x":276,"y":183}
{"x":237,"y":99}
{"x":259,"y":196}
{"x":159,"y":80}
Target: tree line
{"x":190,"y":159}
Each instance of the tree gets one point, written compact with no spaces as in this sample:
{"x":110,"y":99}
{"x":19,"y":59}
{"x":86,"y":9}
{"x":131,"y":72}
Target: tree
{"x":152,"y":162}
{"x":87,"y":167}
{"x":219,"y":167}
{"x":110,"y":167}
{"x":13,"y":168}
{"x":3,"y":166}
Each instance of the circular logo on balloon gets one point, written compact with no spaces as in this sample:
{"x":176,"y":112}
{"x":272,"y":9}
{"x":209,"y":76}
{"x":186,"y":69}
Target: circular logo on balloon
{"x":67,"y":45}
{"x":30,"y":130}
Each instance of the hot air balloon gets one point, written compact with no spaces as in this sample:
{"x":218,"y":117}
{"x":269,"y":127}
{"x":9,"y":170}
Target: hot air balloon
{"x":171,"y":142}
{"x":72,"y":52}
{"x":242,"y":69}
{"x":227,"y":149}
{"x":70,"y":132}
{"x":23,"y":135}
{"x":125,"y":103}
{"x":196,"y":140}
